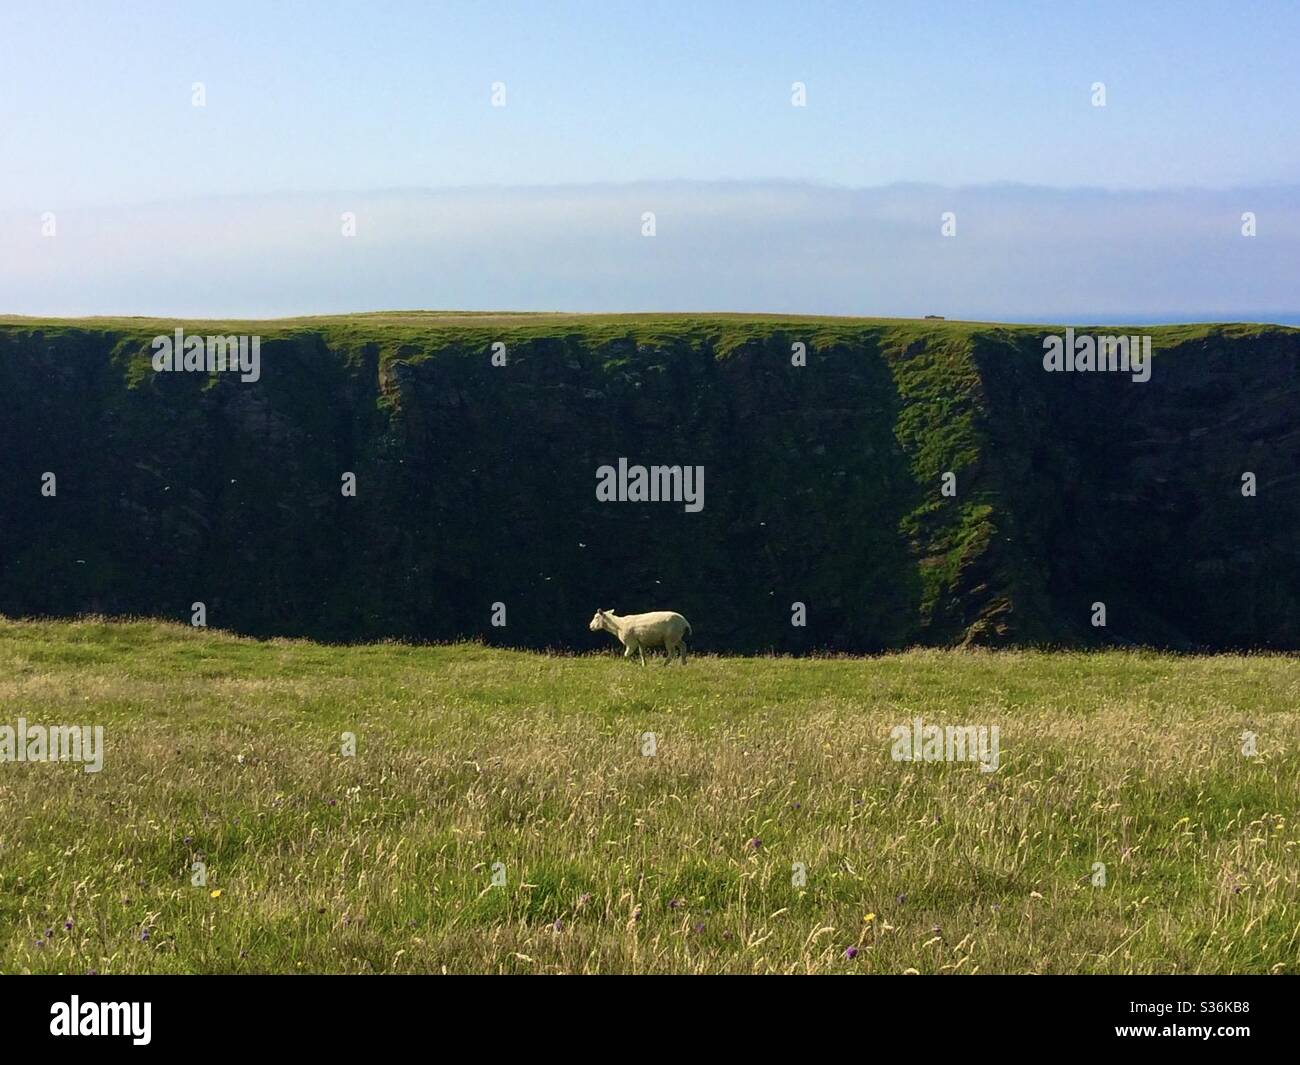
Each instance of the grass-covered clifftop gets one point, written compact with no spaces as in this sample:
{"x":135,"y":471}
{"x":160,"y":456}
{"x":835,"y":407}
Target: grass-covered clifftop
{"x":476,"y":483}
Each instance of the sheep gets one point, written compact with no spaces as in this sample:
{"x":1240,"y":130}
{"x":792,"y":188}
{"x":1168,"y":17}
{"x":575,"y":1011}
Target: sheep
{"x":636,"y":632}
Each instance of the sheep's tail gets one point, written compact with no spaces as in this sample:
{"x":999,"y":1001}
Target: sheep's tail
{"x":688,"y":627}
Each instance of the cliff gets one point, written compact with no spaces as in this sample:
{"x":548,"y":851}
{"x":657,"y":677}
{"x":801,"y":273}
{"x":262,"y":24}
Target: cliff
{"x":475,"y":483}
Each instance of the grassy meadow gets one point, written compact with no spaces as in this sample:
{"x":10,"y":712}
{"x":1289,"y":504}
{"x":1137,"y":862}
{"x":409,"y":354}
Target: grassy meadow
{"x":227,"y":751}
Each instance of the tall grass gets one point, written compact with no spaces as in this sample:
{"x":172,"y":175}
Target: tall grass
{"x":227,"y":751}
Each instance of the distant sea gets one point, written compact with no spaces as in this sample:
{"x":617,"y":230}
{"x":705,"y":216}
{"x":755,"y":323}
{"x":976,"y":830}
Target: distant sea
{"x":1280,"y":318}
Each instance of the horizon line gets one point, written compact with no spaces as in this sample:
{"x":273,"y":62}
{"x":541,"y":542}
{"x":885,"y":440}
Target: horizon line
{"x":10,"y":318}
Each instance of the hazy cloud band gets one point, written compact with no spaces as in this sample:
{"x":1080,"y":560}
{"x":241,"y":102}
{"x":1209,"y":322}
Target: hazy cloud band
{"x":1019,"y":253}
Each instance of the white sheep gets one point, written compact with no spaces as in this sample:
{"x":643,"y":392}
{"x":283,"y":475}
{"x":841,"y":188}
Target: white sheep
{"x":636,"y":632}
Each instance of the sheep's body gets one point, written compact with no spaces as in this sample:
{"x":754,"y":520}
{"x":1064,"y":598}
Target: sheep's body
{"x":636,"y":632}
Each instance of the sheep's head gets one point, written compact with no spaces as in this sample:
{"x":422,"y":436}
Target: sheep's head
{"x":598,"y":620}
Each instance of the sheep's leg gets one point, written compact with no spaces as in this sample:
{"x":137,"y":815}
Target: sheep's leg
{"x":627,"y":650}
{"x":641,"y":649}
{"x":681,"y":650}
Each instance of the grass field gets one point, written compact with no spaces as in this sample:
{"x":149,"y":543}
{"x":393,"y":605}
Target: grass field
{"x":228,"y":752}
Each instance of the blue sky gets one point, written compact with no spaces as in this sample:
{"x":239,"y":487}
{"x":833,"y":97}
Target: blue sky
{"x":346,"y":101}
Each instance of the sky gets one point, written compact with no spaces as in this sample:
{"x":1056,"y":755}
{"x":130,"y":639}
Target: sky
{"x":614,"y":109}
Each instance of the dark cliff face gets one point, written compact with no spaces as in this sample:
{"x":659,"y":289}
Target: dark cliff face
{"x":476,"y":484}
{"x":1135,"y":494}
